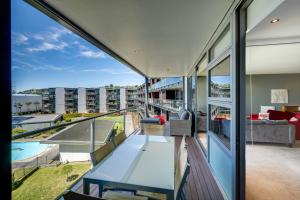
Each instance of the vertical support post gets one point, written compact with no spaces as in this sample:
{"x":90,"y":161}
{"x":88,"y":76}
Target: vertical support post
{"x":124,"y":121}
{"x":185,"y":92}
{"x":92,"y":136}
{"x":146,"y":97}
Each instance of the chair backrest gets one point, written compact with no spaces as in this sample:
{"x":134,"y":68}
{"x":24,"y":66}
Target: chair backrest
{"x":70,"y":195}
{"x":118,"y":139}
{"x":153,"y":129}
{"x":102,"y":152}
{"x":182,"y":167}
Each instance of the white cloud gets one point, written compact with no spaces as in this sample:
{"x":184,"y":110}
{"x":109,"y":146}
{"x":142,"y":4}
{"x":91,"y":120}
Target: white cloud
{"x":48,"y":46}
{"x":52,"y":35}
{"x":19,"y":38}
{"x":93,"y":54}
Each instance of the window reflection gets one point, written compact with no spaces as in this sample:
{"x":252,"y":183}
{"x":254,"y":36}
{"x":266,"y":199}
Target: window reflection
{"x":220,"y":80}
{"x":220,"y":118}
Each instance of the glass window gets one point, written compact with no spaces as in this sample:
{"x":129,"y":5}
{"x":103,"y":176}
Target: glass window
{"x":219,"y":123}
{"x":193,"y":92}
{"x":220,"y":80}
{"x":222,"y":43}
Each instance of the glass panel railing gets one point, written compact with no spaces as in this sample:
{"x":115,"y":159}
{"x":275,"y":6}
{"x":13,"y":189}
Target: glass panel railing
{"x":167,"y":103}
{"x":167,"y":82}
{"x":47,"y":161}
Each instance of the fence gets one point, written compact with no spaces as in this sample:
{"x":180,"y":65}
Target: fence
{"x":21,"y":169}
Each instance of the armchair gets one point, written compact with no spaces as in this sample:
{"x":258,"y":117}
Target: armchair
{"x":182,"y":125}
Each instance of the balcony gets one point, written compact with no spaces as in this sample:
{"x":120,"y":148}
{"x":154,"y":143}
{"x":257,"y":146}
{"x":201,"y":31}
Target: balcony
{"x":167,"y":83}
{"x":200,"y":182}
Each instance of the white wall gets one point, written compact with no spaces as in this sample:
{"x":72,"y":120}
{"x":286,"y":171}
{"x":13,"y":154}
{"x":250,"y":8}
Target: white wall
{"x":82,"y":100}
{"x":23,"y":99}
{"x":60,"y":100}
{"x":123,"y":98}
{"x":102,"y":100}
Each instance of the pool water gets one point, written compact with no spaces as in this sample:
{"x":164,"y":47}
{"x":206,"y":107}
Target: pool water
{"x":23,"y":150}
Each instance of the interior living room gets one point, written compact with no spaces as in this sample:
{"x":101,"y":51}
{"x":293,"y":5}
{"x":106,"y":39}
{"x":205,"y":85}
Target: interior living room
{"x":273,"y":102}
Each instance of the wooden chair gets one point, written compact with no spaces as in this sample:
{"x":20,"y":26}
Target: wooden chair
{"x":118,"y":139}
{"x":70,"y":195}
{"x":153,"y":129}
{"x":102,"y":152}
{"x":181,"y":172}
{"x":182,"y":169}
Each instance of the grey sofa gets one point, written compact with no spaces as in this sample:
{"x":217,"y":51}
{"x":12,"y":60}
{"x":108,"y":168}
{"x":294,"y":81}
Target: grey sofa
{"x":181,"y":123}
{"x":270,"y":131}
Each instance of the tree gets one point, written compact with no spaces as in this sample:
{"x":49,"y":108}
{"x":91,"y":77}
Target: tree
{"x":28,"y":105}
{"x":67,"y":169}
{"x":36,"y":103}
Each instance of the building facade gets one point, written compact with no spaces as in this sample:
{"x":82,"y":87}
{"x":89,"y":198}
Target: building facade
{"x":163,"y":94}
{"x":26,"y":103}
{"x":87,"y":100}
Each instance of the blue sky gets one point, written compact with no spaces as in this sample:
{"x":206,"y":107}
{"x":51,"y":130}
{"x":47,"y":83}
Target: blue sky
{"x":45,"y":54}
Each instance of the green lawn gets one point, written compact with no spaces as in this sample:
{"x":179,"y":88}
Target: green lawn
{"x":48,"y":183}
{"x":119,"y":125}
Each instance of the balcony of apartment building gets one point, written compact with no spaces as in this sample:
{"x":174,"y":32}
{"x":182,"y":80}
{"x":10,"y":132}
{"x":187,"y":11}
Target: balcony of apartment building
{"x":173,"y":51}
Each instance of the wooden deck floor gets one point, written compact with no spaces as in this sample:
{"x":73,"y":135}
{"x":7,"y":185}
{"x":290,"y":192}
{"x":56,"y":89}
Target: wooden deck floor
{"x":200,"y":182}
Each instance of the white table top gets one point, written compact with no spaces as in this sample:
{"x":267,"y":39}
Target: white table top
{"x":142,"y":160}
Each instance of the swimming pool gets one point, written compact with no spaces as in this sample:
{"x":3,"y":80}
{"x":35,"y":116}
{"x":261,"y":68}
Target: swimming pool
{"x":23,"y":150}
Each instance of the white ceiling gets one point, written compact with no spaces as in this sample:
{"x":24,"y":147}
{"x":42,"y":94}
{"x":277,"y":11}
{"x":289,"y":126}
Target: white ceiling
{"x":275,"y":48}
{"x":160,"y":38}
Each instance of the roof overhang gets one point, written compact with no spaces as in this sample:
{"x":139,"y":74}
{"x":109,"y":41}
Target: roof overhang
{"x":155,"y":38}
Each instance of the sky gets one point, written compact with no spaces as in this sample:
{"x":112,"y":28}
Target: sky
{"x":45,"y":54}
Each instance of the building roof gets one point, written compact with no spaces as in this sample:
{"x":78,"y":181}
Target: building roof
{"x":35,"y":119}
{"x":26,"y":95}
{"x":79,"y":134}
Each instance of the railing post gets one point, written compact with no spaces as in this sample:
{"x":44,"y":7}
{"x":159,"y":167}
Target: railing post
{"x":146,"y":96}
{"x":92,"y":136}
{"x":124,"y":121}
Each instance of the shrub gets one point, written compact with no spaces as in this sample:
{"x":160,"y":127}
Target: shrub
{"x":16,"y":131}
{"x":67,"y":169}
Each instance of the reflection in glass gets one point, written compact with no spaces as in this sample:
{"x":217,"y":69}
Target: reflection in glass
{"x":201,"y":114}
{"x":193,"y":92}
{"x":219,"y":123}
{"x":222,"y":43}
{"x":220,"y":79}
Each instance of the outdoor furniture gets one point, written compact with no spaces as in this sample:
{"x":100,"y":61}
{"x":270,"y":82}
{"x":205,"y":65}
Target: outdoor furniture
{"x":119,"y":138}
{"x":70,"y":195}
{"x":181,"y":173}
{"x":151,"y":126}
{"x":182,"y":125}
{"x":101,"y":152}
{"x":141,"y":162}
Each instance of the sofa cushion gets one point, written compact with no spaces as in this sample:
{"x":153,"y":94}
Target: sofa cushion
{"x":278,"y":122}
{"x":185,"y":115}
{"x":253,"y":117}
{"x":161,"y":119}
{"x":279,"y":115}
{"x":297,"y":115}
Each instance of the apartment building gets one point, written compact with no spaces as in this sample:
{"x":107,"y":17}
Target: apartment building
{"x":87,"y":100}
{"x":163,"y":94}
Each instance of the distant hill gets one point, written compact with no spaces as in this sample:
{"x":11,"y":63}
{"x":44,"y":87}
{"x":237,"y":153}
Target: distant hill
{"x":32,"y":91}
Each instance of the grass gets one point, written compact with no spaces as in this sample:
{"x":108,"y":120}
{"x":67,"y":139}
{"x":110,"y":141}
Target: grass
{"x":119,"y":125}
{"x":69,"y":116}
{"x":21,"y":172}
{"x":49,"y":182}
{"x":17,"y":131}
